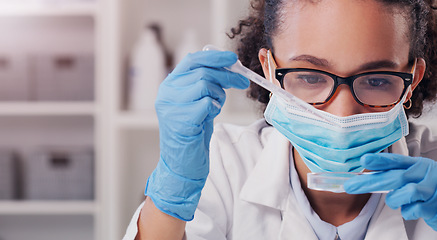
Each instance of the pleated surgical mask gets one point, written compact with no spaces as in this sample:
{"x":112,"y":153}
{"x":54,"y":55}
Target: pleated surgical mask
{"x":329,"y":143}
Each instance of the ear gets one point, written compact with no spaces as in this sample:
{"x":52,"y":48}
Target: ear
{"x":264,"y":60}
{"x":419,"y":72}
{"x":262,"y":55}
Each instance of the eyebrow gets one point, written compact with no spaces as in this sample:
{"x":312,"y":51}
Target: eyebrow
{"x":321,"y":62}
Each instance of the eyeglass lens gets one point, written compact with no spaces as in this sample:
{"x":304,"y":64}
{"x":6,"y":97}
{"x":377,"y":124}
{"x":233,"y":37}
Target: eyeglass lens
{"x":373,"y":89}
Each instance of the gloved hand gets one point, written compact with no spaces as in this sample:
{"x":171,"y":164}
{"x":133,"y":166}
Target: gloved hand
{"x":188,"y":101}
{"x":413,"y":181}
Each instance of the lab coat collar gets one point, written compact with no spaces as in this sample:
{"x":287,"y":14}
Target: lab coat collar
{"x":400,"y":147}
{"x":269,"y":182}
{"x":386,"y":223}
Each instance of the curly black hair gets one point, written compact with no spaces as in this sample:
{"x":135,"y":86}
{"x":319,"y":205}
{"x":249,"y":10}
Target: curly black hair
{"x":254,"y":33}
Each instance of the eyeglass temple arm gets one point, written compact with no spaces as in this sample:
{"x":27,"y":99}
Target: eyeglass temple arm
{"x":413,"y":69}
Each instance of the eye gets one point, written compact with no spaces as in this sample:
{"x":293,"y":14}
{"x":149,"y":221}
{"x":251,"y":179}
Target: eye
{"x":311,"y":78}
{"x":378,"y":82}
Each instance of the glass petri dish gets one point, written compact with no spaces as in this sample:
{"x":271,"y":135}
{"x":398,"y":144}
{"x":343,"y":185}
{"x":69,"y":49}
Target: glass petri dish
{"x":331,"y":181}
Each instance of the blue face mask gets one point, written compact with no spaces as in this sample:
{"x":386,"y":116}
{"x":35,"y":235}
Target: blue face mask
{"x":328,"y":143}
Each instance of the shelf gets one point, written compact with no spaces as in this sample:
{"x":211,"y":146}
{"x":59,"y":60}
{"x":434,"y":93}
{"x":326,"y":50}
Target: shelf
{"x":46,"y":9}
{"x":129,"y":120}
{"x":46,"y":108}
{"x":47,"y":207}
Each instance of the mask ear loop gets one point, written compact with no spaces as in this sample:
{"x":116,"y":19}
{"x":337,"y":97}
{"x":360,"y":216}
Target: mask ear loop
{"x":272,"y":66}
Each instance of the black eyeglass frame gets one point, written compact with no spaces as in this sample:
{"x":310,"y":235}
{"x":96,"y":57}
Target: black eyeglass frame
{"x":407,"y":77}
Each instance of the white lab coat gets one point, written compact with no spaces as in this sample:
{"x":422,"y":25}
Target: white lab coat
{"x":248,"y":195}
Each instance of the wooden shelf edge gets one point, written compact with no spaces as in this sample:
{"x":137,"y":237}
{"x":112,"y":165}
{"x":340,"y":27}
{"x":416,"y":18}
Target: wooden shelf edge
{"x":46,"y":108}
{"x":128,"y":120}
{"x":47,"y":207}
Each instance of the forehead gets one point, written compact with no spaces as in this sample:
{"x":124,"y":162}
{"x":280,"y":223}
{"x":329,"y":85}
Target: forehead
{"x":342,"y":31}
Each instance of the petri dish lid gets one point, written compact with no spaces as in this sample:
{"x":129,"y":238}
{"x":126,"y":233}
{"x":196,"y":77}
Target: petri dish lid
{"x":330,"y":181}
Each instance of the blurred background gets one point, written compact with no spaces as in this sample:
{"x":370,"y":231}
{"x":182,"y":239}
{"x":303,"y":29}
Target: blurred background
{"x":78,"y":78}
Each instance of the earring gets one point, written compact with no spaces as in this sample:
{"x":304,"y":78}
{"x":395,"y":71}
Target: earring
{"x":270,"y":95}
{"x":410,"y":104}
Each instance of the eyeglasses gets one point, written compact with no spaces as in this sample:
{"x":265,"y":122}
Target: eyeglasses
{"x":373,"y":89}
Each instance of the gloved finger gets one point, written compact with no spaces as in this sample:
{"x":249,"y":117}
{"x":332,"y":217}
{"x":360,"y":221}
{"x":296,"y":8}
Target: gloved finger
{"x":378,"y":181}
{"x":432,"y":222}
{"x":193,"y":92}
{"x":220,"y":76}
{"x":386,"y":161}
{"x":420,"y":184}
{"x":385,"y":180}
{"x":208,"y":130}
{"x":392,"y":179}
{"x":212,"y":59}
{"x":409,"y":212}
{"x":426,"y":210}
{"x":192,"y":113}
{"x":187,"y":118}
{"x":408,"y":194}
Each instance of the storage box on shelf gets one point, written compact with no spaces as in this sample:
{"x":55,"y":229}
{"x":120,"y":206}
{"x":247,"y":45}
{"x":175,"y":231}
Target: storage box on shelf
{"x":14,"y":76}
{"x":54,"y":173}
{"x":58,"y":66}
{"x":62,"y":77}
{"x":51,"y":165}
{"x":8,"y":174}
{"x":57,"y":77}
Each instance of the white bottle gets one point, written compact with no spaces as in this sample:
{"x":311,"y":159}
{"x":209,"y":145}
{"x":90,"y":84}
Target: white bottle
{"x":188,"y":44}
{"x":147,"y":70}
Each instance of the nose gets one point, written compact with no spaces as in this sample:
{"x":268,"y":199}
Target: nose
{"x":343,"y":103}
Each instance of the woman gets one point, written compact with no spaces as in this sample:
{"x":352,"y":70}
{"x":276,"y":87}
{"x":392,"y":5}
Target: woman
{"x":354,"y":62}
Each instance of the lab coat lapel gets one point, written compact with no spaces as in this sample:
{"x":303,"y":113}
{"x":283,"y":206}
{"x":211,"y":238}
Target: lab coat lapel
{"x":269,"y":185}
{"x":294,"y":224}
{"x":386,"y":224}
{"x":400,"y":147}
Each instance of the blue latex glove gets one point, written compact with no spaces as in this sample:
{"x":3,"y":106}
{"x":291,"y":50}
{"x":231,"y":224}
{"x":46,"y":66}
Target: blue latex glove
{"x":188,"y":101}
{"x":413,"y":181}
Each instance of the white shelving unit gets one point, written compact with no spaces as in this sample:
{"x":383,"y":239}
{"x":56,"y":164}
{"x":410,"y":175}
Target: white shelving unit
{"x":126,"y":144}
{"x":27,"y":124}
